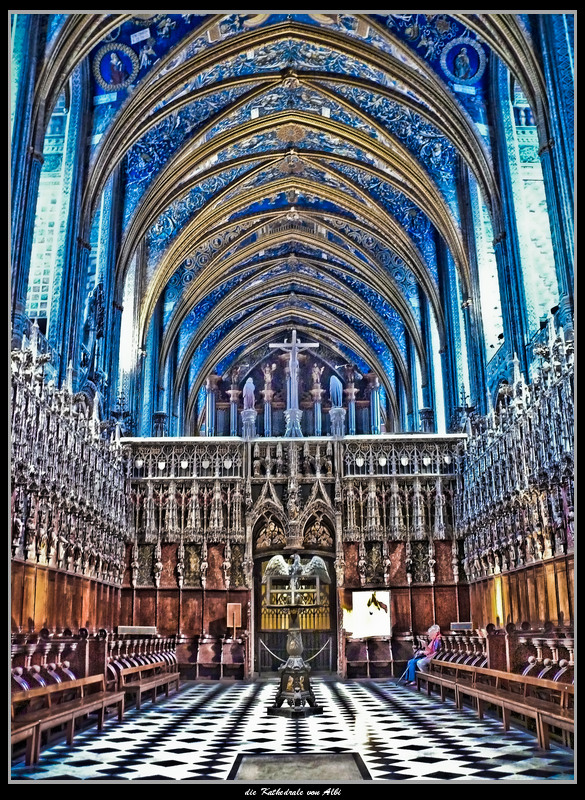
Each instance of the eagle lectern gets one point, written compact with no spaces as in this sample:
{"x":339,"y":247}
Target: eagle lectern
{"x":301,"y":589}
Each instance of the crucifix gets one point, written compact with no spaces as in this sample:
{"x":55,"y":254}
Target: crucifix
{"x":293,"y":413}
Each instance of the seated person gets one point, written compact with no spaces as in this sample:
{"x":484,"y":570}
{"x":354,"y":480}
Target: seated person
{"x":421,"y":660}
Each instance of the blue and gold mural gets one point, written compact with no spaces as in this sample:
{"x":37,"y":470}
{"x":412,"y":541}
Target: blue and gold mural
{"x":396,"y":188}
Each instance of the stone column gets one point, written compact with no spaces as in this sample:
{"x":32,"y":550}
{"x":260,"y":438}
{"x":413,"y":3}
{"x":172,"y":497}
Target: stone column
{"x":267,"y":395}
{"x":375,"y":415}
{"x":337,"y":416}
{"x":350,"y":392}
{"x":561,"y":230}
{"x":249,"y":423}
{"x":427,"y":420}
{"x":210,"y":401}
{"x":21,"y":267}
{"x":27,"y":161}
{"x":557,"y":150}
{"x":159,"y":423}
{"x":317,"y":395}
{"x":234,"y":396}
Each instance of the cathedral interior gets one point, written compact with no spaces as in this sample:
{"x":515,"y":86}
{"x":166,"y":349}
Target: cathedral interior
{"x":292,"y":380}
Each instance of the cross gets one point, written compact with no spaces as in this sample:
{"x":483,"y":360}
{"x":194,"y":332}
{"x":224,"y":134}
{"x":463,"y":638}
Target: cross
{"x":294,"y":347}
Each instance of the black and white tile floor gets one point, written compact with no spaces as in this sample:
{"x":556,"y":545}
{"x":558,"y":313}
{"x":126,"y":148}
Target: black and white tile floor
{"x":400,"y":735}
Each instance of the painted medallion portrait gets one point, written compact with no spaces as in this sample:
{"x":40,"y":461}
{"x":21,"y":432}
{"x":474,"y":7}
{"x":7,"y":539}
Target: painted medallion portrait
{"x":463,"y":60}
{"x":115,"y":67}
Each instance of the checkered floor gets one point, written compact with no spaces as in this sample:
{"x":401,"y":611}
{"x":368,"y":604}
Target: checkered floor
{"x":399,"y":734}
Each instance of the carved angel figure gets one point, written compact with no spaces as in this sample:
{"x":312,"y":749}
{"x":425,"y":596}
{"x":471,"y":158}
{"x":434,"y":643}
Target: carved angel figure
{"x":278,"y":568}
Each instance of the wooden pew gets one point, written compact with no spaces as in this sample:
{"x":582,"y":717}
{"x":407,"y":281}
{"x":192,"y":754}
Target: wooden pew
{"x":548,"y":703}
{"x":45,"y":708}
{"x":147,"y":679}
{"x":209,"y":654}
{"x":28,"y":733}
{"x":442,"y":675}
{"x":233,"y":660}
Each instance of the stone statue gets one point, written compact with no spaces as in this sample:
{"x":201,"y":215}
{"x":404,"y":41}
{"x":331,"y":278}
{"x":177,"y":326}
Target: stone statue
{"x":248,"y":393}
{"x":336,"y":392}
{"x":316,"y":374}
{"x":268,"y":369}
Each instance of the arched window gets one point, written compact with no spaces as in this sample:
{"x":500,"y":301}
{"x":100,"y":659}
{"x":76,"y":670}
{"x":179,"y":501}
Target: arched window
{"x":50,"y":221}
{"x":538,"y":266}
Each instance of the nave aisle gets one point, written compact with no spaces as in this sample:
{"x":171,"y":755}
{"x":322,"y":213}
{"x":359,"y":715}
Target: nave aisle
{"x":394,"y":733}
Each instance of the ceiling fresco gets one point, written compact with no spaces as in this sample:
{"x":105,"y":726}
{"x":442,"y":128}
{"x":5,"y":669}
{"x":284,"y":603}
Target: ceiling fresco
{"x":284,"y":170}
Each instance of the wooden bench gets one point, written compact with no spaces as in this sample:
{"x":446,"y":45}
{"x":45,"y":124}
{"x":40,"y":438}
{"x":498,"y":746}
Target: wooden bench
{"x":29,"y":733}
{"x":44,"y":708}
{"x":147,"y":679}
{"x":209,"y":657}
{"x":233,"y":660}
{"x":442,"y":675}
{"x":511,"y":693}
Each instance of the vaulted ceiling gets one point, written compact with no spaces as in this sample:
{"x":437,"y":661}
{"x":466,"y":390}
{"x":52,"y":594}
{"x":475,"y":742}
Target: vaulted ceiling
{"x":296,"y":170}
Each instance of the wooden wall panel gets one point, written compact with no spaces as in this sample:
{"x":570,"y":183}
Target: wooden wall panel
{"x":124,"y":616}
{"x":422,"y":608}
{"x":571,"y":585}
{"x":563,"y":592}
{"x":168,"y":612}
{"x":169,"y":560}
{"x":464,"y":600}
{"x":506,"y":600}
{"x":528,"y":602}
{"x":400,"y":614}
{"x":445,"y":606}
{"x":525,"y":592}
{"x":191,"y":612}
{"x":41,"y":586}
{"x":17,"y":589}
{"x":215,"y":617}
{"x":537,"y":594}
{"x":46,"y":598}
{"x":28,"y":601}
{"x":145,"y":609}
{"x":443,"y":566}
{"x":514,"y":598}
{"x":75,"y":585}
{"x":551,"y":593}
{"x":540,"y":611}
{"x":52,"y":599}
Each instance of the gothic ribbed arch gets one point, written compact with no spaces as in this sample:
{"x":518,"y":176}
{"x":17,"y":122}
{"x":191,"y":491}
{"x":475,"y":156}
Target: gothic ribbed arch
{"x":178,"y":250}
{"x":460,"y":132}
{"x":418,"y":187}
{"x":409,"y":176}
{"x":281,"y":322}
{"x":505,"y":37}
{"x":441,"y":218}
{"x":248,"y":299}
{"x":154,"y":88}
{"x":319,"y":313}
{"x":151,"y":91}
{"x":98,"y":178}
{"x":323,"y":218}
{"x":185,"y":245}
{"x":198,"y":289}
{"x":316,"y":507}
{"x":263,"y":219}
{"x":76,"y":39}
{"x":266,"y":509}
